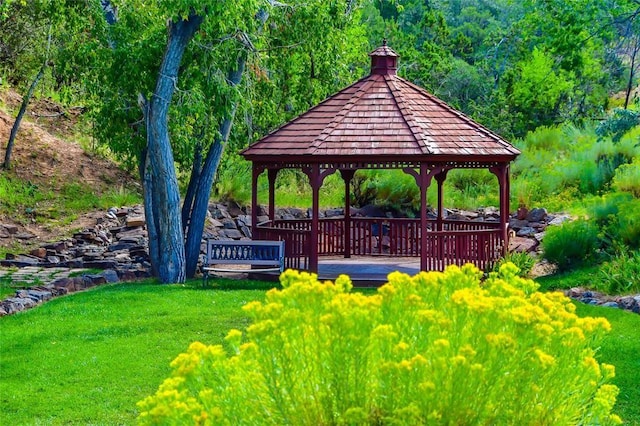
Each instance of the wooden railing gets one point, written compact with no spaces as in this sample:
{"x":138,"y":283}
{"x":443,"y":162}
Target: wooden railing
{"x":296,"y":243}
{"x":457,"y":243}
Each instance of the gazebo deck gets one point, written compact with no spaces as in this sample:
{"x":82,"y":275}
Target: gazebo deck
{"x":364,"y":271}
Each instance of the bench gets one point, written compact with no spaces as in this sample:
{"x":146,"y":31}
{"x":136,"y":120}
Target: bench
{"x":266,"y":256}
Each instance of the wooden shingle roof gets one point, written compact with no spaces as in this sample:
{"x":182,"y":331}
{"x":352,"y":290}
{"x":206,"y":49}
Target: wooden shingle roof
{"x":382,"y":116}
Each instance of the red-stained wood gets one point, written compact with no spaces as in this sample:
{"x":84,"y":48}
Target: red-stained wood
{"x":384,"y":122}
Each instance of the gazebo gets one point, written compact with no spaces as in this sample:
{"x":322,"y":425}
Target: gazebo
{"x":382,"y":122}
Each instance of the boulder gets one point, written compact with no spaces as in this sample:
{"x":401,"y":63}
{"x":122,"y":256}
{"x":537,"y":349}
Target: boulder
{"x":537,"y":215}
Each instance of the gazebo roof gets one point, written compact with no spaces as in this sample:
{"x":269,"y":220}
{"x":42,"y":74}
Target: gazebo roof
{"x":382,"y":116}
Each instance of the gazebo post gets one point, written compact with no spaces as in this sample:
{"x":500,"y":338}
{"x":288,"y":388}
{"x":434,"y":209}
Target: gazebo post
{"x":347,"y":176}
{"x":423,"y":215}
{"x":440,"y":178}
{"x":315,"y":181}
{"x":502,"y":173}
{"x":272,"y":193}
{"x":256,"y":171}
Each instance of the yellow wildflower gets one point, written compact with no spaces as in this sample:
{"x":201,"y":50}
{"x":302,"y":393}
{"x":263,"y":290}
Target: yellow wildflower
{"x":545,"y":359}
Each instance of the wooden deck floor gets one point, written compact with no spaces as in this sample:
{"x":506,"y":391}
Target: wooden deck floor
{"x":364,"y":271}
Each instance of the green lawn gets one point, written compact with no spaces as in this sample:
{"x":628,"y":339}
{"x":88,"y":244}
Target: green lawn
{"x":89,"y":357}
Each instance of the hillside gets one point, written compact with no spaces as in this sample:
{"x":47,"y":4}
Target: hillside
{"x":48,"y":160}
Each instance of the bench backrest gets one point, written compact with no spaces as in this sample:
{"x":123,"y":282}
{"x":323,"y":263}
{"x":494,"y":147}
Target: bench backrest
{"x":245,"y":252}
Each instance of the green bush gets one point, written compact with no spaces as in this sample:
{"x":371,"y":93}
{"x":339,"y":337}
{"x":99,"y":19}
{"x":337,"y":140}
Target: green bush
{"x":627,"y":178}
{"x":618,"y":217}
{"x":437,"y":348}
{"x":621,"y":275}
{"x":522,"y":260}
{"x":572,"y":244}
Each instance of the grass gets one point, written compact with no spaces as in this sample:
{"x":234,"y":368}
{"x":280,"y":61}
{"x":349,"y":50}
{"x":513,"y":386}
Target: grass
{"x":25,"y":201}
{"x":621,"y":348}
{"x":89,"y":357}
{"x":582,"y":277}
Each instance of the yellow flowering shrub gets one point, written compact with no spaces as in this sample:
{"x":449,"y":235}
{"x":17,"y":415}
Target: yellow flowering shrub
{"x":436,"y":348}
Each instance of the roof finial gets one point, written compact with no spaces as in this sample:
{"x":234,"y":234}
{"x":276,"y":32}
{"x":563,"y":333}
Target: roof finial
{"x":384,"y":60}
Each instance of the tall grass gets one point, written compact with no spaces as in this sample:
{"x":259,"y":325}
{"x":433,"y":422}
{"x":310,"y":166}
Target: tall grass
{"x":560,"y":165}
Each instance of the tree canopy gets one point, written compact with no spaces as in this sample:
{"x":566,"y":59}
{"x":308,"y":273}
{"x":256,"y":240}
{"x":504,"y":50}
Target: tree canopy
{"x":164,"y":80}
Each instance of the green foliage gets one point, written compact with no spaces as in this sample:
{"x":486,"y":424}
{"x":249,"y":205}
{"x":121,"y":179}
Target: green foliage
{"x":627,"y":177}
{"x":620,"y":275}
{"x":572,"y":244}
{"x":618,"y":122}
{"x":435,"y":348}
{"x":522,"y":260}
{"x":618,"y":216}
{"x":392,"y":189}
{"x":560,"y":164}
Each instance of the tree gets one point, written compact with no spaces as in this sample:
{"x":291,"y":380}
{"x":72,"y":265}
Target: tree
{"x":36,"y":35}
{"x":208,"y":45}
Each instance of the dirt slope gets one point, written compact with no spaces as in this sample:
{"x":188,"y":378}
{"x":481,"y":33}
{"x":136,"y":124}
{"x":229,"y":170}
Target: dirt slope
{"x":46,"y":155}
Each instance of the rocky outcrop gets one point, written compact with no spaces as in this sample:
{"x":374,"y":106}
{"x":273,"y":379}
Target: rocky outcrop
{"x":117,"y":241}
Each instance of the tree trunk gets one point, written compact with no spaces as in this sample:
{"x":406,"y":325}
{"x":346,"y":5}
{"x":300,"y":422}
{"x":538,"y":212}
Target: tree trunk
{"x":196,"y":170}
{"x":636,"y":48}
{"x":162,"y":197}
{"x":203,"y":192}
{"x":23,"y":109}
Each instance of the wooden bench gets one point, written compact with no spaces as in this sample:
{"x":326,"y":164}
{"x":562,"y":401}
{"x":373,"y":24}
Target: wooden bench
{"x":266,"y":256}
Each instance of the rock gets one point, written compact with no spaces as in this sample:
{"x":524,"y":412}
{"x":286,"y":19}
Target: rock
{"x":39,"y":296}
{"x":517,"y":224}
{"x":610,"y":304}
{"x":24,"y":236}
{"x":558,"y":220}
{"x":101,"y":264}
{"x":75,"y":263}
{"x":527,"y":231}
{"x":136,"y":221}
{"x":521,"y":213}
{"x":215,"y":222}
{"x":11,"y":229}
{"x":94,"y":279}
{"x":53,"y":259}
{"x":246,"y":231}
{"x":121,"y":246}
{"x":334,"y":212}
{"x":231,"y":233}
{"x":234,"y":209}
{"x":3,"y":232}
{"x":111,"y":276}
{"x":521,"y":244}
{"x":229,"y":224}
{"x":40,"y":252}
{"x":536,"y":215}
{"x":244,"y":220}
